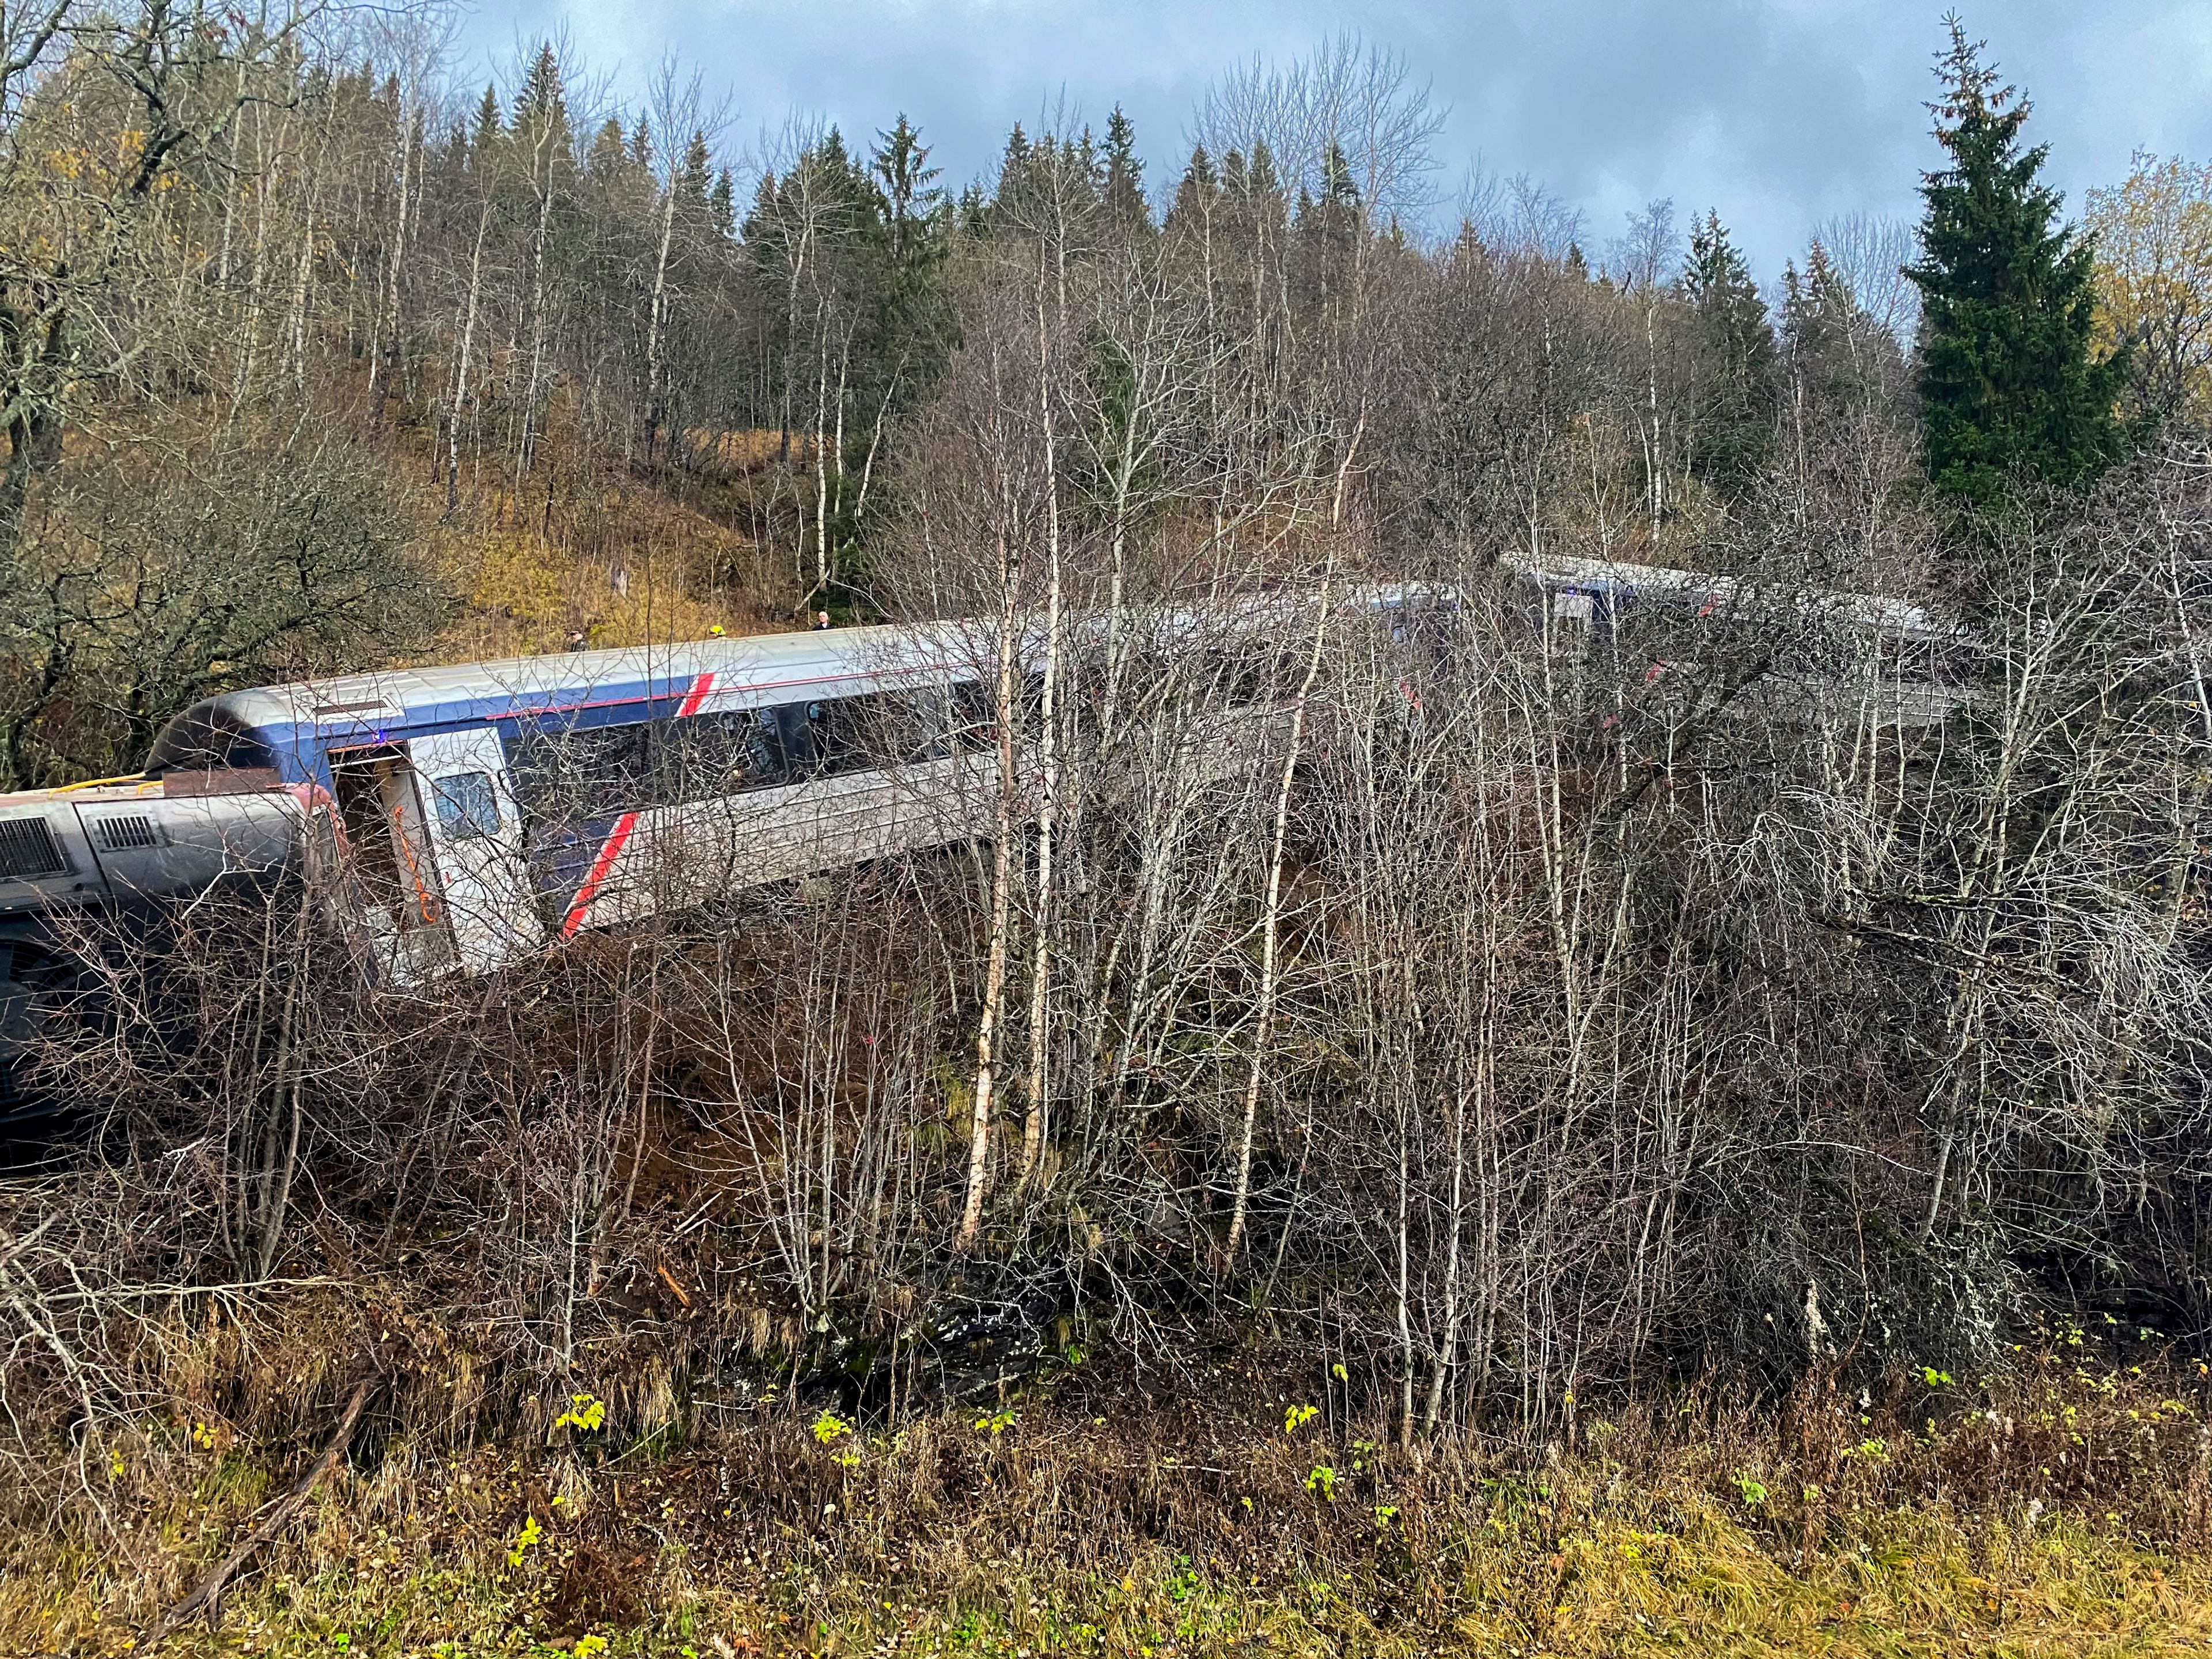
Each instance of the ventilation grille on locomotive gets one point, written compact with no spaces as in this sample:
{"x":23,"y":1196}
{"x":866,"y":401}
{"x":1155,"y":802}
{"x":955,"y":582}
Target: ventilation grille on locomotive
{"x":27,"y":848}
{"x":127,"y":833}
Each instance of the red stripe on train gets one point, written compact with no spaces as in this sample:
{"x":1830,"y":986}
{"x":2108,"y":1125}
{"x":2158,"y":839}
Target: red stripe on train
{"x":601,"y":867}
{"x":696,"y":696}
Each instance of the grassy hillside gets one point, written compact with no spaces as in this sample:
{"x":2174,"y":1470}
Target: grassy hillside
{"x":622,"y":560}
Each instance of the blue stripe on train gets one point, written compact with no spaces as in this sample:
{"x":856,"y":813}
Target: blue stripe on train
{"x":303,"y":750}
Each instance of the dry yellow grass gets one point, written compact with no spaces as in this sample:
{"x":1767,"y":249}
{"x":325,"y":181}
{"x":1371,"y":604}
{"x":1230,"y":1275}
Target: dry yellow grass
{"x":1072,"y":1521}
{"x":733,"y":454}
{"x":448,"y":1562}
{"x":626,"y":567}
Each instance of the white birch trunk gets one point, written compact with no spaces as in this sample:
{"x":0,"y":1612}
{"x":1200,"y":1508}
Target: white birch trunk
{"x":1041,"y":973}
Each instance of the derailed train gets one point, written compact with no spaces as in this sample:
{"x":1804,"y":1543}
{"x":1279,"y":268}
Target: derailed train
{"x":1905,"y":669}
{"x":489,"y":811}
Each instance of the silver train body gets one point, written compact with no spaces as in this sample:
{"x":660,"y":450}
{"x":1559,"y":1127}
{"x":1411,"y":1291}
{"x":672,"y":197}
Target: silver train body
{"x":482,"y":812}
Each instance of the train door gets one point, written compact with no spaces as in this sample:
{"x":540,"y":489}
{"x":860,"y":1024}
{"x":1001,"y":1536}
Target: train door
{"x":477,"y":831}
{"x":394,"y":872}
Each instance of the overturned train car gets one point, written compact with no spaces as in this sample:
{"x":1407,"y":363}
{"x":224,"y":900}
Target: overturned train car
{"x":486,"y":811}
{"x":475,"y":814}
{"x":1883,"y":659}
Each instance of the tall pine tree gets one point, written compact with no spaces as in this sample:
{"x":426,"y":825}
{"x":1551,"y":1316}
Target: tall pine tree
{"x":1125,"y":208}
{"x":2008,"y":387}
{"x":1735,"y":359}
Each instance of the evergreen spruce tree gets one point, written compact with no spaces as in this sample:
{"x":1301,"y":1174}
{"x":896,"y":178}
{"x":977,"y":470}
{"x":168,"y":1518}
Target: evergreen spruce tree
{"x":610,"y":156}
{"x":489,"y":126}
{"x":697,"y":178}
{"x":1082,"y":181}
{"x":2007,"y":384}
{"x":1734,"y":352}
{"x":918,"y":323}
{"x":1818,"y":307}
{"x":1200,"y":187}
{"x":973,"y":212}
{"x":541,"y":105}
{"x":1233,"y":180}
{"x":1125,"y":176}
{"x":1837,"y":357}
{"x":1015,"y":168}
{"x":912,"y":199}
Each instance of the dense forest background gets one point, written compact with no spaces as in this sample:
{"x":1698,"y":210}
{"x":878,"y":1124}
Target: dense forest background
{"x":1521,"y":1029}
{"x":316,"y":357}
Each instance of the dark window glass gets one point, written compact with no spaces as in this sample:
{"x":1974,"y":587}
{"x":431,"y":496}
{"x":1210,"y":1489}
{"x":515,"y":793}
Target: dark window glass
{"x":794,"y":724}
{"x":467,"y":806}
{"x":567,"y":774}
{"x":1237,"y":675}
{"x":207,"y":737}
{"x":710,"y":756}
{"x":562,"y":773}
{"x":826,"y":736}
{"x":868,"y":731}
{"x":975,"y":725}
{"x":804,"y":728}
{"x":930,"y":735}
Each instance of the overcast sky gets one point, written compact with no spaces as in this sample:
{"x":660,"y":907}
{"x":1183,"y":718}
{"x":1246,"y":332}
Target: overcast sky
{"x":1780,"y":114}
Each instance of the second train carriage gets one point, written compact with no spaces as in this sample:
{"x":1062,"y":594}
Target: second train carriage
{"x":1907,"y":670}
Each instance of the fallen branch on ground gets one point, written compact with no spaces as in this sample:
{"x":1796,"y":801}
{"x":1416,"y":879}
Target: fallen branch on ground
{"x":204,"y":1593}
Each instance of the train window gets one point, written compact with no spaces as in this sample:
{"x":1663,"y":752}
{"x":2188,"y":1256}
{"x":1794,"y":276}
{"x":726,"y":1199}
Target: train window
{"x":842,"y":733}
{"x":1030,"y":706}
{"x":823,"y":737}
{"x":562,"y":773}
{"x":975,"y":725}
{"x":930,"y":734}
{"x":883,"y":729}
{"x":795,"y":724}
{"x":208,"y":737}
{"x":615,"y":762}
{"x":467,"y":806}
{"x":710,"y":756}
{"x":830,"y":735}
{"x":531,"y":770}
{"x":1236,"y":678}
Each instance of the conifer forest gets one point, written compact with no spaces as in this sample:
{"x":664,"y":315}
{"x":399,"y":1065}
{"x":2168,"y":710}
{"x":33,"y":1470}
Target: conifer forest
{"x":1576,"y":1128}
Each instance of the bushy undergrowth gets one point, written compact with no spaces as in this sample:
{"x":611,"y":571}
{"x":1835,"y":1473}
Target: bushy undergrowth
{"x":2057,"y":1502}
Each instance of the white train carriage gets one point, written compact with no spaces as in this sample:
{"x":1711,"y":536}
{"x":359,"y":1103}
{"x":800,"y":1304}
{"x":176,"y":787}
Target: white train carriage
{"x":483,"y":811}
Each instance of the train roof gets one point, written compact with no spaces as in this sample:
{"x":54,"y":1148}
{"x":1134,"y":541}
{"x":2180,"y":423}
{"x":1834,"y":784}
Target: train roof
{"x":1873,"y":610}
{"x":410,"y":698}
{"x":366,"y":705}
{"x":558,"y":681}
